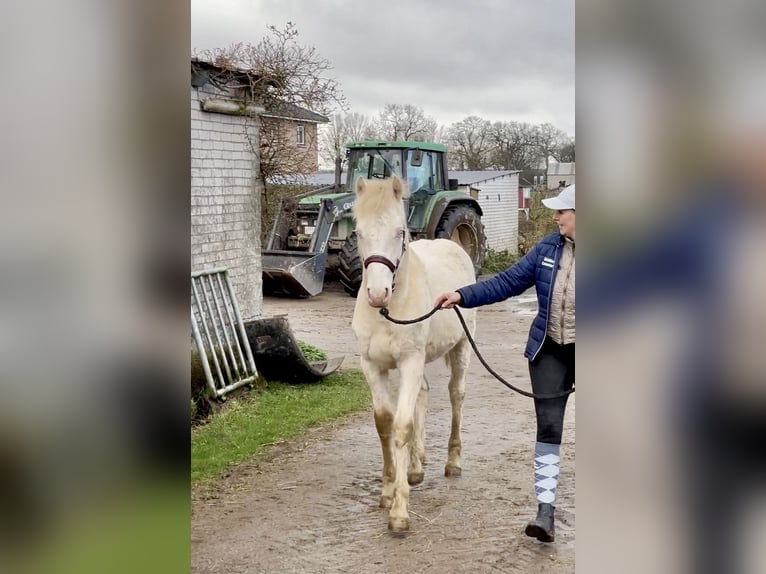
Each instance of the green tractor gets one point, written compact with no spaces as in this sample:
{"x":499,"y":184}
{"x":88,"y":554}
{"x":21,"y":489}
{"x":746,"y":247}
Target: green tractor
{"x":318,"y":227}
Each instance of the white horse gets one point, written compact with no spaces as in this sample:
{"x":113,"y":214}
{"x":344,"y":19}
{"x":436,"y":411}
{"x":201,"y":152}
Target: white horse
{"x":406,"y":278}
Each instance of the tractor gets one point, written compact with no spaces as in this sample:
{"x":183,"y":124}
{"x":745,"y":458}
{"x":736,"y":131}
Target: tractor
{"x":317,"y":227}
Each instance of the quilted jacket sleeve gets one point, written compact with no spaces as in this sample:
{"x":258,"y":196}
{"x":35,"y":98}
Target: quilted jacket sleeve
{"x":513,"y":281}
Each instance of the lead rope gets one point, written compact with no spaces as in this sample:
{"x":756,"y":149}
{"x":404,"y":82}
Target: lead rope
{"x":491,"y":371}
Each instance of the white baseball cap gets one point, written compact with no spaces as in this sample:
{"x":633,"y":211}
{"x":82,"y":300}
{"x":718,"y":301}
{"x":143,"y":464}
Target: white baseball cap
{"x":564,"y":200}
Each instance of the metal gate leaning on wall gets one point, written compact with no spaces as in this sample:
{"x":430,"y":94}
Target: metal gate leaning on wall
{"x":219,"y":333}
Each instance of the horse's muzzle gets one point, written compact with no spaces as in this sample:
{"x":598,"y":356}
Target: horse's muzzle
{"x":378,"y":299}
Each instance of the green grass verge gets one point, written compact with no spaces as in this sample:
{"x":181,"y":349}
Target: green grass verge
{"x":250,"y":423}
{"x":142,"y":527}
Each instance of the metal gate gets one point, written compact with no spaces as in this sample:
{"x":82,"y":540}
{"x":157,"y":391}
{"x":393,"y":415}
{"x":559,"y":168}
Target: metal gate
{"x":219,"y":333}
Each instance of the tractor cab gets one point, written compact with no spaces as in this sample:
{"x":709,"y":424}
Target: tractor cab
{"x":420,"y":164}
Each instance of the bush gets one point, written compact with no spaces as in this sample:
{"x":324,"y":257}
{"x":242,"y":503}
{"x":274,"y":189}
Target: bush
{"x":497,"y":261}
{"x":539,"y":222}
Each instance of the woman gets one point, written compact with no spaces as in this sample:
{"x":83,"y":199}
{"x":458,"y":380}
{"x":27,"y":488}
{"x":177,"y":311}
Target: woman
{"x":550,"y":268}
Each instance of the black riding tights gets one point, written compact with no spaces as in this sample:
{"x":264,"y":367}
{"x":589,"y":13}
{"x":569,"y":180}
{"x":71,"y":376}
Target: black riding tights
{"x":552,"y":371}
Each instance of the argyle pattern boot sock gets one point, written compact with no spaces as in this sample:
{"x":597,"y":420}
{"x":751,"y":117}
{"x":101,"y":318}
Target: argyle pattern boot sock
{"x":546,"y":472}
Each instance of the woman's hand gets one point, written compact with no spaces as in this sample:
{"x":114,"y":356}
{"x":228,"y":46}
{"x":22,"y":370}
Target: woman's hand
{"x":448,"y":300}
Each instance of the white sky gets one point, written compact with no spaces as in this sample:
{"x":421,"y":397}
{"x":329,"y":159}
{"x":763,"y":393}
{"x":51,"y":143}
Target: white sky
{"x":497,"y":59}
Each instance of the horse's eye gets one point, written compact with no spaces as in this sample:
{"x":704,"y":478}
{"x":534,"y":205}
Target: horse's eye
{"x":401,"y":233}
{"x":359,"y":233}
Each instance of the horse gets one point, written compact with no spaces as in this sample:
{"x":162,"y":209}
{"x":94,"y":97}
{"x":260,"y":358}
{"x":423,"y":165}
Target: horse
{"x":406,"y":277}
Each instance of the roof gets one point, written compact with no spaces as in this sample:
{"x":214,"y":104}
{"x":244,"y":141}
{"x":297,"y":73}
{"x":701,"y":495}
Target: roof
{"x":324,"y":178}
{"x":290,"y":111}
{"x":202,"y":70}
{"x":201,"y":73}
{"x":463,"y":177}
{"x":561,"y":168}
{"x":467,"y":177}
{"x":429,"y":146}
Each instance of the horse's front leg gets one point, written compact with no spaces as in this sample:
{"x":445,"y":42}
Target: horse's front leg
{"x":377,"y":379}
{"x":418,"y":446}
{"x":411,"y":370}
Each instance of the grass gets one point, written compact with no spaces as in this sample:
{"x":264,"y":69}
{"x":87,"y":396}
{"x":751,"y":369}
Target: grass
{"x":311,"y":352}
{"x":141,"y":526}
{"x":251,"y":423}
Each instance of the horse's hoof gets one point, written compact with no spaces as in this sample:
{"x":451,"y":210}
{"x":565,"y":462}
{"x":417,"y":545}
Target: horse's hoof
{"x":414,"y":478}
{"x":398,"y":524}
{"x":386,"y":501}
{"x":450,"y":470}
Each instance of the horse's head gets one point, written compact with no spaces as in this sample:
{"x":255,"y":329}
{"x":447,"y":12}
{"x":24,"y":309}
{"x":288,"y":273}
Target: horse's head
{"x":381,"y":229}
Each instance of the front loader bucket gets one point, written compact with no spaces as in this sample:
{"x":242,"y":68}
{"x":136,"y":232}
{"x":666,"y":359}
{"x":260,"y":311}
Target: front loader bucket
{"x":278,"y":356}
{"x":293,"y":273}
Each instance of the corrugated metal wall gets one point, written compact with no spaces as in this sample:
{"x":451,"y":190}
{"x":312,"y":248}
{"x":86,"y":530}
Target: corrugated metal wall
{"x":499,"y":198}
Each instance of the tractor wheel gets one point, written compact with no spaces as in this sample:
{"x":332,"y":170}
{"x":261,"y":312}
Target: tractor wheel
{"x":350,"y":266}
{"x":463,"y":225}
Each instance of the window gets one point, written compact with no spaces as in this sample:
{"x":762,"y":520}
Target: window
{"x":372,"y":163}
{"x":428,"y":175}
{"x":301,"y":135}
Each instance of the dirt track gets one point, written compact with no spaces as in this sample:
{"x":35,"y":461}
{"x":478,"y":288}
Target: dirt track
{"x":311,"y":506}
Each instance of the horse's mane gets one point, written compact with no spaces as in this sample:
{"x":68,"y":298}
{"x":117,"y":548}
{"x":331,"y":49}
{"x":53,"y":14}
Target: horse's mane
{"x":379,"y":198}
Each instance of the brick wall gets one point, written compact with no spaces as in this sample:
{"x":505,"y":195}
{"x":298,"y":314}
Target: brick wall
{"x":225,"y":200}
{"x":280,"y":141}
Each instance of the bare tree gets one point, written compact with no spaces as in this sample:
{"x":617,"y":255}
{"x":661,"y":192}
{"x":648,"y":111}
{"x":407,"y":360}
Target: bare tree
{"x":405,"y":122}
{"x":469,"y":143}
{"x":282,"y":71}
{"x":359,"y":127}
{"x":565,"y":153}
{"x":514,"y":145}
{"x":549,"y":139}
{"x":441,"y":135}
{"x":276,"y":73}
{"x":332,"y":144}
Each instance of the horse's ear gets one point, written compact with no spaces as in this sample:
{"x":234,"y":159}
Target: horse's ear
{"x":360,"y":185}
{"x":400,"y":189}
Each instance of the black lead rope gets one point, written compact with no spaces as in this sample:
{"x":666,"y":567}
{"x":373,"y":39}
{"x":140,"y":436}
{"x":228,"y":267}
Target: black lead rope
{"x":491,"y":371}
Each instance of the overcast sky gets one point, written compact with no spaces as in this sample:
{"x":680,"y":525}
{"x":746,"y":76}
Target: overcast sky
{"x":497,"y":59}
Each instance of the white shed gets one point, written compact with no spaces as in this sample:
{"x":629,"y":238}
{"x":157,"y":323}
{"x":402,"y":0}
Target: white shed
{"x":498,"y":194}
{"x":225,"y":195}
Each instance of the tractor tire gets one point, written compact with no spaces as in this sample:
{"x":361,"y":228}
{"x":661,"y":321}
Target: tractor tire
{"x":350,"y":266}
{"x":462,"y":224}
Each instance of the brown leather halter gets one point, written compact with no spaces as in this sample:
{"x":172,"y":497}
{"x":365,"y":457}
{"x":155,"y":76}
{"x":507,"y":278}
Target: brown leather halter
{"x":393,"y":267}
{"x":384,"y":260}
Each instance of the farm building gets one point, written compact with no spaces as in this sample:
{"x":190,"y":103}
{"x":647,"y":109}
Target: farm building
{"x":498,"y":195}
{"x":560,"y":174}
{"x":225,"y":194}
{"x":291,"y":131}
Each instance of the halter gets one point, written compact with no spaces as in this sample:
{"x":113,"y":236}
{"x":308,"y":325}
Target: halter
{"x":393,"y":267}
